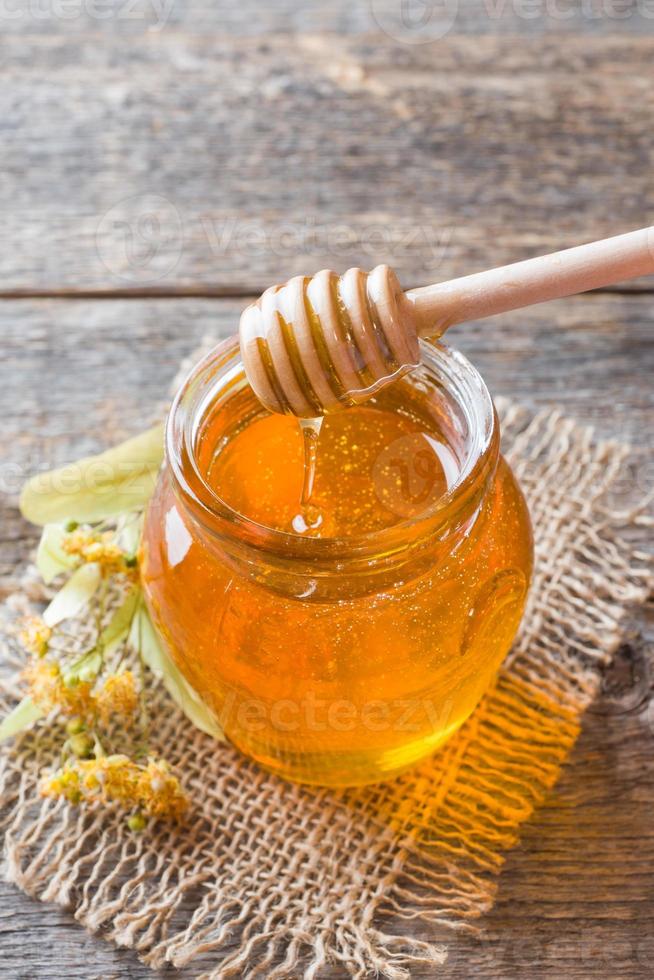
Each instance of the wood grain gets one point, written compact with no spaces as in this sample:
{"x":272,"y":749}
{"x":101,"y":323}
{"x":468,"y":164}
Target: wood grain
{"x":79,"y":375}
{"x":183,"y":161}
{"x":252,"y":18}
{"x":575,"y":898}
{"x":206,"y":148}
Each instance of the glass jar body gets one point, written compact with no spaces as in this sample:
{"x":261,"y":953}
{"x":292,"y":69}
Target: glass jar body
{"x":350,"y":685}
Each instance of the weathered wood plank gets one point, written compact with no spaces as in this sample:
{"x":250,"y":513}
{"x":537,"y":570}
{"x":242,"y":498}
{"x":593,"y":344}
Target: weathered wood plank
{"x":175,"y":159}
{"x":413,"y":23}
{"x":575,"y":900}
{"x":77,"y":375}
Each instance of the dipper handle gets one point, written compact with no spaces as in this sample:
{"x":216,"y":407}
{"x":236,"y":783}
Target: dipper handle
{"x":512,"y":287}
{"x":320,"y":344}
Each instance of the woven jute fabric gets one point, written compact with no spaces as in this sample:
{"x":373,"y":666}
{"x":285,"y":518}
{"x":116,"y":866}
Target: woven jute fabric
{"x":276,"y":880}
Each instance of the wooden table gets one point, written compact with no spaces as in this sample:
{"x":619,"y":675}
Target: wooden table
{"x":158,"y":170}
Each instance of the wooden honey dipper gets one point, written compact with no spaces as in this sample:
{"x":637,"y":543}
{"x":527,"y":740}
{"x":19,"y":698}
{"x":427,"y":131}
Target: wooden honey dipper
{"x":317,"y":345}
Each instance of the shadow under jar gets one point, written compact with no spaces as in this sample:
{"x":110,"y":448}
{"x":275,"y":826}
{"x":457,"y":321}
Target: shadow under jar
{"x":338,"y":660}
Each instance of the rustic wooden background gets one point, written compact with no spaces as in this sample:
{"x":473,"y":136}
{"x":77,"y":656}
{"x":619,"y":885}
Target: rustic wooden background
{"x":163,"y":160}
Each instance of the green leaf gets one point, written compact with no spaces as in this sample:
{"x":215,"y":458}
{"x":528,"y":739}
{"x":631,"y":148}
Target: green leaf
{"x":144,"y":638}
{"x":87,"y":667}
{"x":117,"y":630}
{"x":128,"y":533}
{"x":74,"y":595}
{"x":51,"y":559}
{"x":23,"y":715}
{"x":97,"y":487}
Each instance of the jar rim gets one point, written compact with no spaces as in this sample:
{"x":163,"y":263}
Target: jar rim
{"x":221,"y":369}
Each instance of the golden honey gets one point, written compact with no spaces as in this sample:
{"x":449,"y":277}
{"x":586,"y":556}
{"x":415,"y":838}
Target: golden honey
{"x":340,"y":626}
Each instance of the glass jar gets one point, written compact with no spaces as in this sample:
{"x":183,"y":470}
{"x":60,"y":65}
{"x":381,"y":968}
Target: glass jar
{"x":338,"y":661}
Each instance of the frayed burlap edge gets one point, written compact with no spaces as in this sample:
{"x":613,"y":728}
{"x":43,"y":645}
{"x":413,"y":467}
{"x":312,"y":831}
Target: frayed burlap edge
{"x":277,"y":880}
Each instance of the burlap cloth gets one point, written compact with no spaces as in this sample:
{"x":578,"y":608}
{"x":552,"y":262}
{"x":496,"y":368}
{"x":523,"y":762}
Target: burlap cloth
{"x":276,"y":880}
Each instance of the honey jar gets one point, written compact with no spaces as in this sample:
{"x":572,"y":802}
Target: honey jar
{"x":340,"y":628}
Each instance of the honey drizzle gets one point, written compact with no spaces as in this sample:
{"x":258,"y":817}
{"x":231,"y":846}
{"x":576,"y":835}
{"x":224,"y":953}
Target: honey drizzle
{"x":309,"y":518}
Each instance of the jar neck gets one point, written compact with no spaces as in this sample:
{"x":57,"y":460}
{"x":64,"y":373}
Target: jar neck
{"x":334,"y":567}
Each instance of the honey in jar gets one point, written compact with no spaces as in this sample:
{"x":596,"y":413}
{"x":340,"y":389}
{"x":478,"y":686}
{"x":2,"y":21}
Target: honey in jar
{"x":341,"y":595}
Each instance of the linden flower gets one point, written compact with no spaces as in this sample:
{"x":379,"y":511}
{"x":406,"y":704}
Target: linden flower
{"x":63,"y":783}
{"x":159,"y":791}
{"x":44,"y":682}
{"x":91,"y":546}
{"x":152,"y":790}
{"x":47,"y":689}
{"x":111,"y":777}
{"x":35,"y":636}
{"x":118,"y":695}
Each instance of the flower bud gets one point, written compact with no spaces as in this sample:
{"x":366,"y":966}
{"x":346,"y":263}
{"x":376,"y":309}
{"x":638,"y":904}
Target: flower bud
{"x":75,"y":726}
{"x":81,"y":745}
{"x":137,"y":823}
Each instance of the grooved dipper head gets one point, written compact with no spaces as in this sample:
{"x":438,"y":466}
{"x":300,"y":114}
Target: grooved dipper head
{"x":318,"y":345}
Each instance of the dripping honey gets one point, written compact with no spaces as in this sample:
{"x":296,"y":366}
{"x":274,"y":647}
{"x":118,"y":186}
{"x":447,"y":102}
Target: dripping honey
{"x":340,"y":598}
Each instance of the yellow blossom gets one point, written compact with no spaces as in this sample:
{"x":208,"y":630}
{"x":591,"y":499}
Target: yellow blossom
{"x":64,"y":783}
{"x":152,"y":789}
{"x":92,"y":546}
{"x":118,"y":696}
{"x":35,"y":636}
{"x":159,"y":791}
{"x":47,"y":689}
{"x":44,"y":681}
{"x":111,"y":777}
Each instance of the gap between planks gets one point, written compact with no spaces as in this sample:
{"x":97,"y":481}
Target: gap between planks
{"x":221,"y":292}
